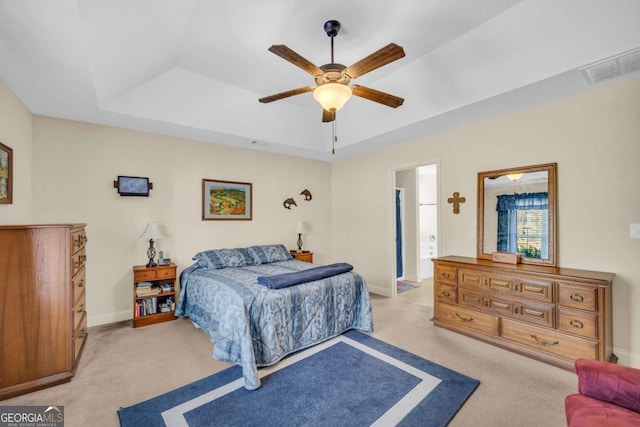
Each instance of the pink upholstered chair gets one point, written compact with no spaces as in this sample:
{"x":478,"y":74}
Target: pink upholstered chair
{"x":608,"y":395}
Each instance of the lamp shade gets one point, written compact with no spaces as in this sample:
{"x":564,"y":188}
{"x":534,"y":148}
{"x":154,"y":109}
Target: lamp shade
{"x":300,"y":228}
{"x":151,"y":232}
{"x":332,"y":96}
{"x":514,"y":176}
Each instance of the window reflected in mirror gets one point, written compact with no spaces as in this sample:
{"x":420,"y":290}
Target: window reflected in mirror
{"x":516,"y":213}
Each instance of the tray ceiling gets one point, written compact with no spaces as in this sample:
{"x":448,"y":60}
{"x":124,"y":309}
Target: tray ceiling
{"x":195,"y":68}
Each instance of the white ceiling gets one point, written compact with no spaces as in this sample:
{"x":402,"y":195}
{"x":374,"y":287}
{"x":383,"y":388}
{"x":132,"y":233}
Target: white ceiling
{"x":196,"y":68}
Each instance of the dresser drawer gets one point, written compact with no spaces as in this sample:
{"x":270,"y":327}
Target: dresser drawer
{"x":535,"y":289}
{"x":446,"y":274}
{"x":549,"y":341}
{"x":164,"y":273}
{"x":79,"y":309}
{"x":77,"y":261}
{"x":78,"y":240}
{"x":578,"y":323}
{"x":79,"y":283}
{"x":469,"y":298}
{"x":467,"y":318}
{"x":522,"y":310}
{"x":471,"y":278}
{"x":534,"y":313}
{"x":576,"y":296}
{"x":79,"y":335}
{"x":144,"y":275}
{"x":445,"y":292}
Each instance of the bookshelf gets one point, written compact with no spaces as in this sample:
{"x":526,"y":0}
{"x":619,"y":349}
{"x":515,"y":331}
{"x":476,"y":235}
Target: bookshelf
{"x":154,"y":294}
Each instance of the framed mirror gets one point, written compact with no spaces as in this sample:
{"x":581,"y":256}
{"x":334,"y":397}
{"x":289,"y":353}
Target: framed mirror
{"x":517,"y":213}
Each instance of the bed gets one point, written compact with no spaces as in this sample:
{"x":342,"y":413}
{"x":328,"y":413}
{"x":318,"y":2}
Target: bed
{"x":253,"y":325}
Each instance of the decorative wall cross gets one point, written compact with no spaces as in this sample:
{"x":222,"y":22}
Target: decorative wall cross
{"x":456,"y":200}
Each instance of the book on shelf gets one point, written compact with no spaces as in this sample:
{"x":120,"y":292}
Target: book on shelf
{"x":147,"y":292}
{"x":144,"y":284}
{"x":145,"y":307}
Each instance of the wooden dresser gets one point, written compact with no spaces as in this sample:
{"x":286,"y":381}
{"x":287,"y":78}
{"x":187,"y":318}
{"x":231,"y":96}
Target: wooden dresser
{"x":552,"y":314}
{"x":43,"y":319}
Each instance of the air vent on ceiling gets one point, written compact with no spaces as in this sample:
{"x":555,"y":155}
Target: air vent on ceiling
{"x":627,"y":62}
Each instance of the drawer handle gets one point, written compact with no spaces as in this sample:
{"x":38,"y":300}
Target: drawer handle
{"x":576,"y":324}
{"x":81,"y":309}
{"x":464,"y":319}
{"x":82,"y":334}
{"x":81,"y":283}
{"x":516,"y":287}
{"x":484,"y":282}
{"x":515,"y":309}
{"x":544,"y":342}
{"x":445,"y":293}
{"x":577,"y":297}
{"x":445,"y":275}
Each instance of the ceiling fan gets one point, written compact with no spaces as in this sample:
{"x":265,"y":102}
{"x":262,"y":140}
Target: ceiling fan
{"x":332,"y":79}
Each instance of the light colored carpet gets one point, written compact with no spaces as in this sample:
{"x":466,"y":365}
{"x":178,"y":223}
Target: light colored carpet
{"x":122,"y":366}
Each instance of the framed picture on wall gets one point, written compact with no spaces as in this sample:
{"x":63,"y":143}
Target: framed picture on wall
{"x":6,"y":175}
{"x":226,"y":200}
{"x":133,"y":186}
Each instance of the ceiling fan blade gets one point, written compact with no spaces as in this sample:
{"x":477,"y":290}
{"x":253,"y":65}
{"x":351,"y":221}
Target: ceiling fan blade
{"x":377,"y":96}
{"x":286,"y":94}
{"x":377,"y":59}
{"x":328,"y":116}
{"x":289,"y":55}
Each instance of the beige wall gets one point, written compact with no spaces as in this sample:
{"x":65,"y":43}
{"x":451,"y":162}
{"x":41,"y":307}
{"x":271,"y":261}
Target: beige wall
{"x":15,"y":132}
{"x":595,"y":139}
{"x":76,"y":163}
{"x":64,"y":172}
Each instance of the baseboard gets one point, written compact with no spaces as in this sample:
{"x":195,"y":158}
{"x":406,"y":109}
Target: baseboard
{"x":103,"y":319}
{"x":627,"y":358}
{"x":378,"y":290}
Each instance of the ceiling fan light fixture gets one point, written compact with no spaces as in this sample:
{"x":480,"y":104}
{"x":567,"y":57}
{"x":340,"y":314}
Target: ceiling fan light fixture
{"x":332,"y":96}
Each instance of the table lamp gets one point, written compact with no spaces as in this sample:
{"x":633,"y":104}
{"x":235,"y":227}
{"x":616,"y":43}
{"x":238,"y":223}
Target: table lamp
{"x":300,"y":230}
{"x":150,"y":233}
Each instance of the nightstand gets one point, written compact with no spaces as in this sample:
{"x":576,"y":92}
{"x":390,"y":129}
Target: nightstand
{"x":302,"y":256}
{"x":154,"y":296}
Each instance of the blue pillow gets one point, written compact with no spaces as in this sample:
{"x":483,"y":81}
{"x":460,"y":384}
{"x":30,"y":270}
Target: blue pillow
{"x":222,"y":258}
{"x":270,"y":253}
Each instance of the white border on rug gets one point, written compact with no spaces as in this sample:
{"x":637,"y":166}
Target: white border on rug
{"x":175,"y":416}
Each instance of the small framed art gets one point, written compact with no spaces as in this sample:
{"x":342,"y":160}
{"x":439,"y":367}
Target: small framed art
{"x":226,"y":200}
{"x":6,"y":175}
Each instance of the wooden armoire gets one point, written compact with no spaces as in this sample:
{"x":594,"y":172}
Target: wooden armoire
{"x":43,"y":319}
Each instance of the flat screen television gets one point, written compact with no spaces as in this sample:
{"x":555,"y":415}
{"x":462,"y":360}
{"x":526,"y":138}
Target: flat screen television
{"x":133,"y":186}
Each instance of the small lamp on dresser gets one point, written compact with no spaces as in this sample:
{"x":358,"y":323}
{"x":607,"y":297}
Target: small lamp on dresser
{"x":151,"y":233}
{"x":300,"y":230}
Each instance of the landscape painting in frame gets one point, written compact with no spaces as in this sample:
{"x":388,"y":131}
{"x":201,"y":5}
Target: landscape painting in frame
{"x":226,"y":200}
{"x":6,"y":174}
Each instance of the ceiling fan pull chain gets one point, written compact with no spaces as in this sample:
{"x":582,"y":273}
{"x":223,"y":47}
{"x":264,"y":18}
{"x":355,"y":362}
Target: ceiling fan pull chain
{"x":334,"y":139}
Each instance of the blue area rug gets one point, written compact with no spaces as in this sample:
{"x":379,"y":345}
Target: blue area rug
{"x":350,"y":380}
{"x":404,"y":286}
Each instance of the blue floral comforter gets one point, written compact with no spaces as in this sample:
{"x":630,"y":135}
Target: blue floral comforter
{"x":254,"y":326}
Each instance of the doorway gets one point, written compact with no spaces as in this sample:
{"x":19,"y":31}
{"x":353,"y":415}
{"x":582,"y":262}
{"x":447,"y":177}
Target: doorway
{"x":415,"y":227}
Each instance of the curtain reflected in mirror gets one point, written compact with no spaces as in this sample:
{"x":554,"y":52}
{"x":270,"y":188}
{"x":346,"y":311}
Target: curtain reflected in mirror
{"x":516,"y":213}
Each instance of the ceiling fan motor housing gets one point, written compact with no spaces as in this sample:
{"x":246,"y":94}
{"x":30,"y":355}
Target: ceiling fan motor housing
{"x":333,"y":73}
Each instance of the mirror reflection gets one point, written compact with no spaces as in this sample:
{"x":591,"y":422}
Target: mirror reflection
{"x":516,"y":213}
